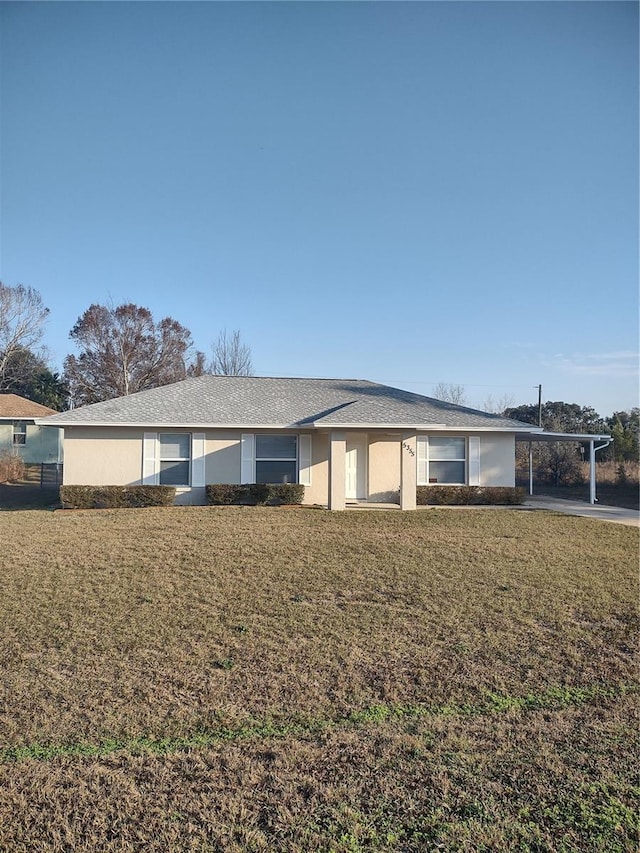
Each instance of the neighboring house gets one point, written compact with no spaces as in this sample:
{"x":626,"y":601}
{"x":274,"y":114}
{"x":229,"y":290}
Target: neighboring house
{"x":20,"y":434}
{"x":344,"y":439}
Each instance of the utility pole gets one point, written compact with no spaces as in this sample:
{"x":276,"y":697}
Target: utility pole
{"x":539,"y":405}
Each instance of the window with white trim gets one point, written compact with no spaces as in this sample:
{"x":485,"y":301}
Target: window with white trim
{"x":19,"y":432}
{"x":174,"y":456}
{"x":276,"y":458}
{"x":446,"y":461}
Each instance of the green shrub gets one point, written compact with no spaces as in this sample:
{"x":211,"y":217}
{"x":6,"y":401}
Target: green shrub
{"x":279,"y":493}
{"x":468,"y":495}
{"x":102,"y":497}
{"x":255,"y":493}
{"x":223,"y":494}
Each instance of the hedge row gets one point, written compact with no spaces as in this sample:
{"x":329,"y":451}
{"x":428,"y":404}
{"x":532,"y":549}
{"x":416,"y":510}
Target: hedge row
{"x":255,"y":494}
{"x":97,"y":497}
{"x":101,"y":497}
{"x":451,"y":495}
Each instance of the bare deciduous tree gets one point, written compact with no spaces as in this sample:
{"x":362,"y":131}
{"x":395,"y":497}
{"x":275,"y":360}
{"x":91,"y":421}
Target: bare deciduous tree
{"x":498,"y":407}
{"x":230,"y":357}
{"x":22,"y":316}
{"x":122,"y":351}
{"x":449,"y":393}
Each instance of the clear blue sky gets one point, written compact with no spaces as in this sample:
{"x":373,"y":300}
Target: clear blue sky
{"x":403,"y":192}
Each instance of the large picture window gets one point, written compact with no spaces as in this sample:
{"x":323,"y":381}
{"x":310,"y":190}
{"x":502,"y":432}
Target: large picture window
{"x":276,"y":459}
{"x":446,"y":462}
{"x":175,"y":458}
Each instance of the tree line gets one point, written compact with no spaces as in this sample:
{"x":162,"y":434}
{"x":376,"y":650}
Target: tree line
{"x":120,"y":350}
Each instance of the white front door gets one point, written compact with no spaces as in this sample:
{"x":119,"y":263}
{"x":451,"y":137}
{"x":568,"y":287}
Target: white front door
{"x":355,"y":486}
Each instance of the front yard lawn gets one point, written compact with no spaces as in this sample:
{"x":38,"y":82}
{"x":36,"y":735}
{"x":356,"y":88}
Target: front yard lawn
{"x":255,"y":679}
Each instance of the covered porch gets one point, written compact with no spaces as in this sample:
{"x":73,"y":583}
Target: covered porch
{"x":356,"y":459}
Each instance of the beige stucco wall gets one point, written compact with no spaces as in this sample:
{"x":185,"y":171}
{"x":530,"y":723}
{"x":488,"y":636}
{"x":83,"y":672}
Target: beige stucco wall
{"x":222,"y":448}
{"x":113,"y":457}
{"x":497,"y":459}
{"x":102,"y":456}
{"x":223,"y":460}
{"x":318,"y":491}
{"x":383,"y":475}
{"x":384,"y":468}
{"x":497,"y":456}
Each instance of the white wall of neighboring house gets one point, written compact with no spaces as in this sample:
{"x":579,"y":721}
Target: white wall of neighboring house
{"x":41,"y":444}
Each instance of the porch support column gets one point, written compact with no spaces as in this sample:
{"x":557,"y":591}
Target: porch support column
{"x":530,"y":468}
{"x":408,"y":470}
{"x":337,"y":472}
{"x":592,"y":472}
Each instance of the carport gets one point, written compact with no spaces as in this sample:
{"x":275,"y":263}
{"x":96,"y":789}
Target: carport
{"x":581,"y":438}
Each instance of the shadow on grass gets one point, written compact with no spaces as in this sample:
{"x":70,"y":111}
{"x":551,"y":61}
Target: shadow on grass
{"x":20,"y":496}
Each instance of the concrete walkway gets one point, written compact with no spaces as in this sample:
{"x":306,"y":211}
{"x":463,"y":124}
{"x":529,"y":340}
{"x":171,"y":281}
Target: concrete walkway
{"x":617,"y":514}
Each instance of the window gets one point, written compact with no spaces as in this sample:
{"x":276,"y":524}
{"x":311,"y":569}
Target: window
{"x":276,"y":459}
{"x":19,"y":432}
{"x":175,"y":458}
{"x":447,"y":461}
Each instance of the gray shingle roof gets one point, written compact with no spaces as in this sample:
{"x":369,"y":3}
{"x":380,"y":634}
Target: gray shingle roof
{"x":261,"y":401}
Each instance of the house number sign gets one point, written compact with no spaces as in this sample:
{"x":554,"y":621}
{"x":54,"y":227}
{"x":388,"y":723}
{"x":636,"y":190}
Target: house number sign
{"x":408,"y":447}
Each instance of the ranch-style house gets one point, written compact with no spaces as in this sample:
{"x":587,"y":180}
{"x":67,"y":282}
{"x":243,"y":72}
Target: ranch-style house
{"x":346,"y":440}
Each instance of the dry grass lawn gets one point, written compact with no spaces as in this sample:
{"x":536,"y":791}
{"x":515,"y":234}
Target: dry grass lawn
{"x":246,"y":679}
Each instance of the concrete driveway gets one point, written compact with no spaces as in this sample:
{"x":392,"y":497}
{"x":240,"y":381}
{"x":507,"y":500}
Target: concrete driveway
{"x":617,"y":514}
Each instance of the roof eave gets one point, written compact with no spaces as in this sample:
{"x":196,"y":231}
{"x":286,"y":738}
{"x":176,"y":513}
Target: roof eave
{"x":211,"y":425}
{"x":315,"y":425}
{"x":542,"y":435}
